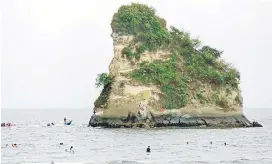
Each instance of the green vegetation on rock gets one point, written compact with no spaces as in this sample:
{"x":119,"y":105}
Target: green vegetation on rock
{"x":105,"y":81}
{"x":140,"y":21}
{"x":164,"y":74}
{"x":190,"y":62}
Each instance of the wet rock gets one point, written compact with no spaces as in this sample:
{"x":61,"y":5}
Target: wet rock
{"x":174,"y":120}
{"x":256,"y":124}
{"x":134,"y":121}
{"x":94,"y":121}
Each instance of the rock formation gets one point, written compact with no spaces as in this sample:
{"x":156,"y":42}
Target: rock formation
{"x":160,"y":77}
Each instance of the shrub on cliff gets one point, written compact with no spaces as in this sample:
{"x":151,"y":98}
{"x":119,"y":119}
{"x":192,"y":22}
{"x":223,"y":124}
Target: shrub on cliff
{"x":104,"y":80}
{"x":164,"y":74}
{"x":141,"y":21}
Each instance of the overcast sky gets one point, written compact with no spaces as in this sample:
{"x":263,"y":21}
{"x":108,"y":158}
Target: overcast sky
{"x":52,"y":50}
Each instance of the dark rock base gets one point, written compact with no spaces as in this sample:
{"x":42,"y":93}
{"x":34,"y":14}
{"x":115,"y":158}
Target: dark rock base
{"x":173,"y":121}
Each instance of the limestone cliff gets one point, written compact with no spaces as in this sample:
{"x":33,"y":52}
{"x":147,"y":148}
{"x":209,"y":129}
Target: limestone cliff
{"x":160,"y":77}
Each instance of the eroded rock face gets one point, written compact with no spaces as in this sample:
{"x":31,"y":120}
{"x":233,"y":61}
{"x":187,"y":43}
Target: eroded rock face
{"x":134,"y":104}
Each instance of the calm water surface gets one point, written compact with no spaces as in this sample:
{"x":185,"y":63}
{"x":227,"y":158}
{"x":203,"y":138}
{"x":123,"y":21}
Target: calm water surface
{"x":40,"y":144}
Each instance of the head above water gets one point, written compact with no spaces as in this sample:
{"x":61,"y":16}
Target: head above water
{"x":148,"y":149}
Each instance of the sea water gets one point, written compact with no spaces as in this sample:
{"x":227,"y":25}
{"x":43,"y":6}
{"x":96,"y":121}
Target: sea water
{"x":39,"y":143}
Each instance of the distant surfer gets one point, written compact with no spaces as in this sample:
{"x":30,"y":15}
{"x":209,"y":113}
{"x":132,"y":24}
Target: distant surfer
{"x":64,"y":120}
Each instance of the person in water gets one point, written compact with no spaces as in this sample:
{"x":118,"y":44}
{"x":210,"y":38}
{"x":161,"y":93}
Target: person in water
{"x":71,"y":148}
{"x":64,"y":120}
{"x":148,"y":149}
{"x":71,"y":151}
{"x":14,"y":145}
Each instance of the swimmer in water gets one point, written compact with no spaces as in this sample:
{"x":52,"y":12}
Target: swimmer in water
{"x":211,"y":142}
{"x":61,"y":143}
{"x":187,"y":142}
{"x":225,"y":143}
{"x":148,"y":149}
{"x":14,"y":145}
{"x":71,"y":151}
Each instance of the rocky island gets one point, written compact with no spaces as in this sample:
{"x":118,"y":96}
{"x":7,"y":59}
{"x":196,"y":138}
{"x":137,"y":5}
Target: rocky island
{"x":162,"y":77}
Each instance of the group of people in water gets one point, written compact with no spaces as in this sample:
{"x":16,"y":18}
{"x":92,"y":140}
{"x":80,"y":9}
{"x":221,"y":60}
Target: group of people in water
{"x":71,"y":149}
{"x":7,"y":124}
{"x":65,"y":122}
{"x":49,"y":124}
{"x":148,"y":150}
